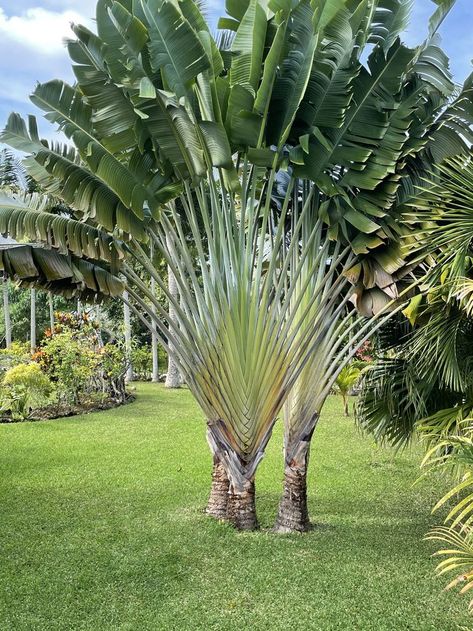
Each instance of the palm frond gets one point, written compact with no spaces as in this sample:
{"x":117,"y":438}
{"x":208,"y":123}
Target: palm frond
{"x":458,"y":556}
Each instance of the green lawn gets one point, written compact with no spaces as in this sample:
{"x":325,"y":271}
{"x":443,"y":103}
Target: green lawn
{"x":101,"y":527}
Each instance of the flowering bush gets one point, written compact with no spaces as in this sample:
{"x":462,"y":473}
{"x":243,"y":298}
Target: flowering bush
{"x":24,"y":388}
{"x":365,"y":353}
{"x":70,"y":363}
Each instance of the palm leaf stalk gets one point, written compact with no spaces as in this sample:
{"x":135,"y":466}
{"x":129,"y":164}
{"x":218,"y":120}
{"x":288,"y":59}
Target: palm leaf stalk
{"x":157,"y":110}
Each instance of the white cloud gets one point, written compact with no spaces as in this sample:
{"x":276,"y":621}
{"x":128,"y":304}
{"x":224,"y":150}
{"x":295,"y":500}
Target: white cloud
{"x":39,"y":29}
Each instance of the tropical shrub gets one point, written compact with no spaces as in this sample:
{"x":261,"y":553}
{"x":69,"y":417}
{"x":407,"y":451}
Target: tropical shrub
{"x":24,"y":387}
{"x":453,"y":456}
{"x":112,"y":364}
{"x":422,"y":382}
{"x":70,"y":364}
{"x":18,"y":353}
{"x":82,"y":367}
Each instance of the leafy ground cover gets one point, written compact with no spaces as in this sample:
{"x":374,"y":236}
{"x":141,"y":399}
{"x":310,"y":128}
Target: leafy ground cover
{"x":102,"y":529}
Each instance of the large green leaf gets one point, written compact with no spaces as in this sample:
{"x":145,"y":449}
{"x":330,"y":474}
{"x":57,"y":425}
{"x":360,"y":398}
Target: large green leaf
{"x":65,"y":106}
{"x":27,"y":218}
{"x":329,"y":90}
{"x":245,"y":72}
{"x":60,"y":172}
{"x":175,"y":49}
{"x":66,"y":275}
{"x":293,"y":78}
{"x":443,"y":9}
{"x":391,"y":19}
{"x":367,"y":121}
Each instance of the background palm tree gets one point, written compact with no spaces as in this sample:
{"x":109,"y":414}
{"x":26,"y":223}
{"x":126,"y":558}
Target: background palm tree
{"x":33,"y":319}
{"x":346,"y":381}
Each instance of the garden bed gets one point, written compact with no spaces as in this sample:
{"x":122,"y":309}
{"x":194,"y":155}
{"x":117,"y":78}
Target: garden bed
{"x":53,"y":412}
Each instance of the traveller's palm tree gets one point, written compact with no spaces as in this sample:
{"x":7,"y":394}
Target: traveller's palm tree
{"x":158,"y":113}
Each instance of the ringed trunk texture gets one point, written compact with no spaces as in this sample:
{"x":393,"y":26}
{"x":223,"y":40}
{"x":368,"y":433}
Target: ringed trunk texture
{"x":293,"y":513}
{"x":242,"y":507}
{"x":217,"y":505}
{"x":241,"y":502}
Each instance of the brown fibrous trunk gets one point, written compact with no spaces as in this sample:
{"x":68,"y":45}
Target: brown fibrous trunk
{"x":293,"y":513}
{"x":217,"y":505}
{"x":242,"y":507}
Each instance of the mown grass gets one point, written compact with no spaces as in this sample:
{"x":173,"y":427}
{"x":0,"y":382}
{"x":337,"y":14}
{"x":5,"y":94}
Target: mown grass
{"x":102,"y":529}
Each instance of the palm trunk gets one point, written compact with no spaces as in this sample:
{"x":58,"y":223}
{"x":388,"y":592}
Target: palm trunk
{"x":235,"y":476}
{"x":217,"y":505}
{"x":155,"y":354}
{"x":51,"y":312}
{"x":242,"y":507}
{"x":6,"y":313}
{"x":33,"y":320}
{"x":345,"y":405}
{"x":293,"y":513}
{"x":128,"y":340}
{"x":154,"y":334}
{"x":173,"y":378}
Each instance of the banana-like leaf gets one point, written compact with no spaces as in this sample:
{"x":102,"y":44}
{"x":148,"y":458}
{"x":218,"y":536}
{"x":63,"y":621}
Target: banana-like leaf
{"x":60,"y":171}
{"x":247,"y":50}
{"x":291,"y":84}
{"x":391,"y":18}
{"x":175,"y":48}
{"x":66,"y":107}
{"x":329,"y":91}
{"x":27,"y":218}
{"x":33,"y":266}
{"x":444,"y":8}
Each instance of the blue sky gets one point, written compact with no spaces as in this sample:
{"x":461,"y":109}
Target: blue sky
{"x":31,"y":34}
